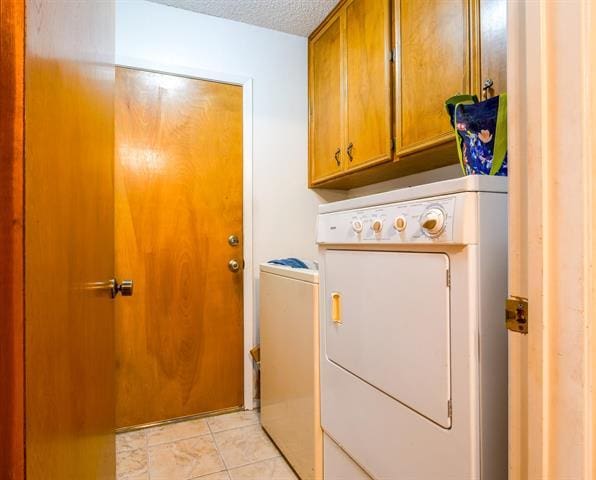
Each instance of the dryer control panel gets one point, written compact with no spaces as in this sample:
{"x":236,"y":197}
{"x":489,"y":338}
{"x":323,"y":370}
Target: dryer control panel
{"x":435,"y":220}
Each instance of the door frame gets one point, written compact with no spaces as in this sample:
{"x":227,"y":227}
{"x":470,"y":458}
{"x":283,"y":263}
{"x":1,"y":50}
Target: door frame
{"x":12,"y":236}
{"x":551,"y":76}
{"x":249,"y":303}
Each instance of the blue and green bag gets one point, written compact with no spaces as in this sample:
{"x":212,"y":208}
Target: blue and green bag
{"x":481,"y":133}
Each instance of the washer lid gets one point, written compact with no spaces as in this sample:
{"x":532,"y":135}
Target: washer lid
{"x":304,"y":274}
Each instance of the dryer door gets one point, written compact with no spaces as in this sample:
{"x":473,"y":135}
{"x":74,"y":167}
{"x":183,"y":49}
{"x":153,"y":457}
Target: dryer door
{"x":388,"y":323}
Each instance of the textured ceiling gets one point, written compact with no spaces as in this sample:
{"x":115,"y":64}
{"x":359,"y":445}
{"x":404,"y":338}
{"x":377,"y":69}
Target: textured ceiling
{"x":299,"y":17}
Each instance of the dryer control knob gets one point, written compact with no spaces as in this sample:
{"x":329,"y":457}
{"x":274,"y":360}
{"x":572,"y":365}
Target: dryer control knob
{"x":377,"y":225}
{"x":433,"y":222}
{"x":357,"y":226}
{"x":400,"y":223}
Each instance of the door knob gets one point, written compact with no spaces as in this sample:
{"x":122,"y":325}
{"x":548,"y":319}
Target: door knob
{"x":233,"y":240}
{"x":233,"y":265}
{"x":126,"y":288}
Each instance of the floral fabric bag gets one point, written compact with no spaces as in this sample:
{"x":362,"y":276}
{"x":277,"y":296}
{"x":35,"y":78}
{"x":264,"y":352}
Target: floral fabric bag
{"x":481,"y":133}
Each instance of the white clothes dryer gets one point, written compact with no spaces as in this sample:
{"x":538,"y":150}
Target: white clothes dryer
{"x":413,"y":341}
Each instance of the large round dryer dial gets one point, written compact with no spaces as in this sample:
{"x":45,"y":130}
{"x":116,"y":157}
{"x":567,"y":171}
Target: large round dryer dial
{"x":432,"y":221}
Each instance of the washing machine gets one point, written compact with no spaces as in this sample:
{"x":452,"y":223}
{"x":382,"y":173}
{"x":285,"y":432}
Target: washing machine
{"x":290,"y":395}
{"x":413,"y":342}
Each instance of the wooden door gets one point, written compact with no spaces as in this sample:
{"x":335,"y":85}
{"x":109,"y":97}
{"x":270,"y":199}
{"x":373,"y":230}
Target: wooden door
{"x":327,"y":153}
{"x":178,"y":199}
{"x":433,"y":41}
{"x":69,"y":240}
{"x":368,"y":80}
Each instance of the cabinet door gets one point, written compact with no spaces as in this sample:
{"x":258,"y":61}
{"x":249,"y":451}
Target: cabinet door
{"x":368,"y":72}
{"x":433,"y":43}
{"x":493,"y":44}
{"x":325,"y":103}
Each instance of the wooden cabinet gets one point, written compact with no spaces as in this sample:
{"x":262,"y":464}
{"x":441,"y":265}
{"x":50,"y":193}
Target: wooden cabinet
{"x":372,"y":118}
{"x":350,"y":90}
{"x":368,"y":82}
{"x":493,"y":45}
{"x":326,"y":102}
{"x":433,"y":48}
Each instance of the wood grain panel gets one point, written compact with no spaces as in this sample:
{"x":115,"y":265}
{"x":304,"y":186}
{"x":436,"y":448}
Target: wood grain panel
{"x":493,"y":47}
{"x":178,"y":198}
{"x":368,"y":45}
{"x":326,"y":103}
{"x":69,"y":240}
{"x":434,"y":61}
{"x":12,"y":419}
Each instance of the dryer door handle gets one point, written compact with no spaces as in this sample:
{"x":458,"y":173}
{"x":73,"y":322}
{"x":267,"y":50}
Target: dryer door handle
{"x":336,"y":307}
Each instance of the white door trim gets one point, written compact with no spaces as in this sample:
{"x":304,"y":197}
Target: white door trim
{"x":247,"y":189}
{"x":551,"y":80}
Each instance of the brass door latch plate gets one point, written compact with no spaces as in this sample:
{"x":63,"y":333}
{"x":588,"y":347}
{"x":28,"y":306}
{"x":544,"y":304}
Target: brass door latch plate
{"x":516,"y":315}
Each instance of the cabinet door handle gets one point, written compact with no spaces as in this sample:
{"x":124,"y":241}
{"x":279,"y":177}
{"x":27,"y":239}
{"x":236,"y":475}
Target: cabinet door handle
{"x":349,"y":150}
{"x":337,"y":154}
{"x":486,"y":86}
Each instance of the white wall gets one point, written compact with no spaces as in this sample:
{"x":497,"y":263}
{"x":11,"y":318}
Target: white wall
{"x":437,"y":175}
{"x":284,"y":208}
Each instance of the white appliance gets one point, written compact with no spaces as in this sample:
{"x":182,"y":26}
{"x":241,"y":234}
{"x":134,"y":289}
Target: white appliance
{"x":413,"y":341}
{"x":290,"y":399}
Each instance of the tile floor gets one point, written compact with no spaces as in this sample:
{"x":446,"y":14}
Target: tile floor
{"x":224,"y":447}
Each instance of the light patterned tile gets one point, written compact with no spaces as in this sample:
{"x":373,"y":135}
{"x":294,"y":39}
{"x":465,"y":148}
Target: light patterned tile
{"x":228,"y":421}
{"x":215,"y":476}
{"x":131,"y":464}
{"x":177,"y":431}
{"x":184,"y":459}
{"x":140,"y":476}
{"x":131,"y":440}
{"x":242,"y":446}
{"x":273,"y":469}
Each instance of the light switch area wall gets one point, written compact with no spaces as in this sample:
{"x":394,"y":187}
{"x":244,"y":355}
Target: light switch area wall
{"x":284,"y":209}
